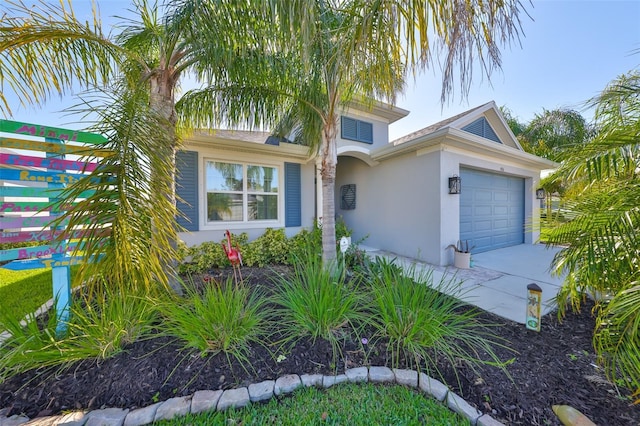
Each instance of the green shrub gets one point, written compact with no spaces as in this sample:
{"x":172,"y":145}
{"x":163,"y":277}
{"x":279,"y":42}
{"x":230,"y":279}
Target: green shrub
{"x":276,"y":246}
{"x":421,"y":322}
{"x":304,"y":242}
{"x":224,"y":318}
{"x":210,"y":254}
{"x":111,"y":320}
{"x":271,"y":248}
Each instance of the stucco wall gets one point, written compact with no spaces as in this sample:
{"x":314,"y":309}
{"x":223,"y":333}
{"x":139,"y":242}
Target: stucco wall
{"x":397,"y":204}
{"x":404,"y":206}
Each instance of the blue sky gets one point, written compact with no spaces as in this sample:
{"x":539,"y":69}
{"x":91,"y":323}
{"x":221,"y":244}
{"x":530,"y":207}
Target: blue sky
{"x":569,"y":51}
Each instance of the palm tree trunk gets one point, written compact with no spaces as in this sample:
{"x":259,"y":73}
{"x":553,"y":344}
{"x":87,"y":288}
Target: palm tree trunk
{"x":329,"y":156}
{"x":162,"y":101}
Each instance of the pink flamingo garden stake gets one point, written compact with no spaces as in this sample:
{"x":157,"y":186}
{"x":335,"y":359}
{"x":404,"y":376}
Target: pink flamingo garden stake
{"x":234,"y":256}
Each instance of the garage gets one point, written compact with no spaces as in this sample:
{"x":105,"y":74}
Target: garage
{"x":491,"y":210}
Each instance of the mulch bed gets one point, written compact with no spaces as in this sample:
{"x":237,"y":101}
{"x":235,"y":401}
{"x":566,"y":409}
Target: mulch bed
{"x":555,"y":366}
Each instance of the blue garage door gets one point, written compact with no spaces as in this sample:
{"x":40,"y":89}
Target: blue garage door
{"x":491,"y":210}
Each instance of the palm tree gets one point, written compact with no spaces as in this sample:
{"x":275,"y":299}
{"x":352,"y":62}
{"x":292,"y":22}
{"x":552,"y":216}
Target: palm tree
{"x":513,"y":122}
{"x":554,"y":131}
{"x":327,"y":52}
{"x":602,"y":254}
{"x":153,"y":53}
{"x":121,"y":198}
{"x":319,"y":53}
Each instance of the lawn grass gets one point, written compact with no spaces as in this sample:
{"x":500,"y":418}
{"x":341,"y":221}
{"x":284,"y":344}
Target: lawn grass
{"x":344,"y":404}
{"x":22,"y":292}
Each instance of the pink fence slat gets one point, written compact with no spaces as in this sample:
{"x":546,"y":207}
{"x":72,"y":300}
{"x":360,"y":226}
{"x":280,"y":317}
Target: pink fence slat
{"x":49,"y":163}
{"x":35,"y":236}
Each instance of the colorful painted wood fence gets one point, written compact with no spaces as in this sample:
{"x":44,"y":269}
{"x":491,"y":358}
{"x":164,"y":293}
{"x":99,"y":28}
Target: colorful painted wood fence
{"x":34,"y":172}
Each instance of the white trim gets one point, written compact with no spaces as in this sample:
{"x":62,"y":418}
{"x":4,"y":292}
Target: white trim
{"x":358,"y":152}
{"x":376,"y":109}
{"x":292,"y":152}
{"x":469,"y":142}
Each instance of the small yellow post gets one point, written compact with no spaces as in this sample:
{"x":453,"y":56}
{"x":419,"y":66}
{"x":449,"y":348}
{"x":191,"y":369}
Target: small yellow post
{"x":534,"y":300}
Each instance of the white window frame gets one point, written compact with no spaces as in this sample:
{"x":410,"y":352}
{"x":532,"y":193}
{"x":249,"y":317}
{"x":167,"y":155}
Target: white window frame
{"x":245,"y":223}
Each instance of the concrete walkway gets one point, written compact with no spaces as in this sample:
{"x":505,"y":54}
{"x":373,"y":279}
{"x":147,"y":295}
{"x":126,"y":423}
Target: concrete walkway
{"x":498,"y":280}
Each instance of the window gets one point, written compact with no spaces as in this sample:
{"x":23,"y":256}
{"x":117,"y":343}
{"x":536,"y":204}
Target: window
{"x":356,"y":130}
{"x":241,"y":192}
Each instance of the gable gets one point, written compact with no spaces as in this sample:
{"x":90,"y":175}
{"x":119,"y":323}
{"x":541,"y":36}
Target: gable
{"x":487,"y":122}
{"x":482,"y":128}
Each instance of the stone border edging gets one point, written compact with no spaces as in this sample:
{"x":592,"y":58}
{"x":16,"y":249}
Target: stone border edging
{"x":209,"y":400}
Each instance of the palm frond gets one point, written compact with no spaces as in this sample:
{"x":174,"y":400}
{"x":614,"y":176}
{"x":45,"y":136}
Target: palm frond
{"x":76,"y":52}
{"x":617,"y":336}
{"x":602,"y":235}
{"x":140,"y":217}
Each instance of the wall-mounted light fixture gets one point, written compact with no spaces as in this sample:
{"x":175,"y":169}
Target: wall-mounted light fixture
{"x":540,"y":193}
{"x":455,"y":184}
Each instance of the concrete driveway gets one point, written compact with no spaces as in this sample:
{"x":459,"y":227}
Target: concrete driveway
{"x":515,"y":267}
{"x":498,"y":280}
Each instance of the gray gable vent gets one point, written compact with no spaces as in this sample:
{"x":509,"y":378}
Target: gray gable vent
{"x":481,"y":127}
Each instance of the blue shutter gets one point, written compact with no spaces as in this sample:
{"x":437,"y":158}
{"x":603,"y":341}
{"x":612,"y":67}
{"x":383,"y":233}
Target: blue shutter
{"x":292,"y":195}
{"x":356,"y":130}
{"x":349,"y":128}
{"x":187,"y":190}
{"x":365,"y":131}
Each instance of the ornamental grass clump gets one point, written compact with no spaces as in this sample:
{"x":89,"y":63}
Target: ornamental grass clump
{"x":223,"y":317}
{"x":100,"y":325}
{"x":316,"y":301}
{"x":423,"y":323}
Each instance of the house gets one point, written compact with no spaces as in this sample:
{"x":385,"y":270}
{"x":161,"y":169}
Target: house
{"x":395,"y":194}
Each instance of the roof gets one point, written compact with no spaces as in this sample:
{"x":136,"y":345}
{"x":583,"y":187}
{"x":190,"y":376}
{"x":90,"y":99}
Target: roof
{"x":381,"y":109}
{"x":435,"y":127}
{"x":450,"y":133}
{"x":236,"y":135}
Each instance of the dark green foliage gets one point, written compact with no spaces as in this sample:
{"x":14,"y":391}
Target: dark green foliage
{"x":601,"y":237}
{"x":271,"y":248}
